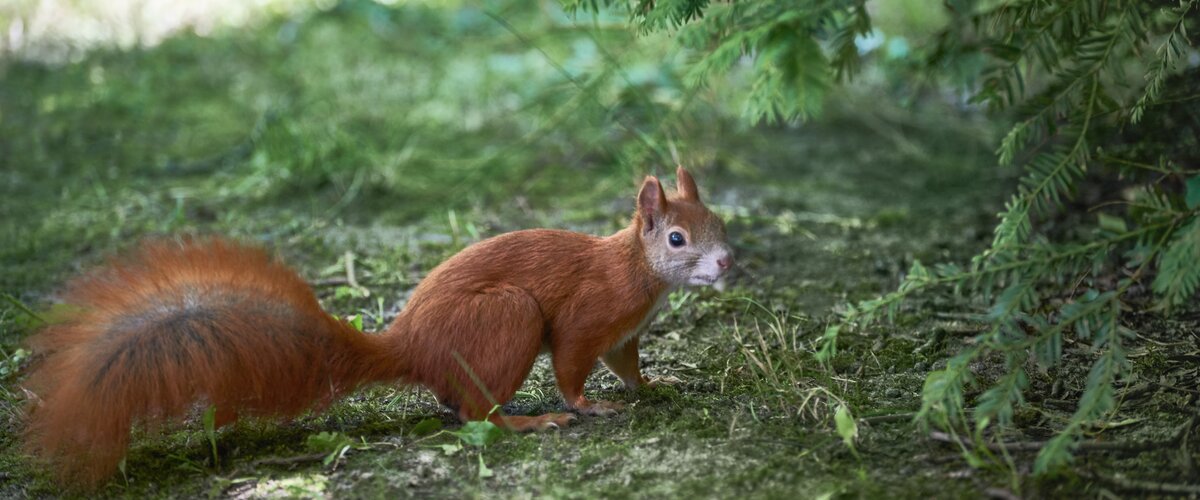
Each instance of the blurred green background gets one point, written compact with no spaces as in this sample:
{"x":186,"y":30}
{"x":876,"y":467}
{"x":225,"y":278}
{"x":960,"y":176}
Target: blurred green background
{"x":131,"y":117}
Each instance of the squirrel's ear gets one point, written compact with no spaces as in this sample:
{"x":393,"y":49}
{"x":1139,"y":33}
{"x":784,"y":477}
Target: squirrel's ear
{"x":685,"y":185}
{"x":651,"y":202}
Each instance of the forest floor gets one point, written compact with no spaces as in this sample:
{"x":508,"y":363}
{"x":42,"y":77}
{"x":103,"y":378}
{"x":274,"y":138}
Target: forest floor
{"x":830,"y":211}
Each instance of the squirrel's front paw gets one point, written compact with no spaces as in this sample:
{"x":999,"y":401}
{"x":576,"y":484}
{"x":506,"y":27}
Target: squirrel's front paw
{"x":600,"y":408}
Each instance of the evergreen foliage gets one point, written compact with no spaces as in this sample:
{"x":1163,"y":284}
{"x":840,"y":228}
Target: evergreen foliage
{"x":1066,"y":72}
{"x":794,"y":50}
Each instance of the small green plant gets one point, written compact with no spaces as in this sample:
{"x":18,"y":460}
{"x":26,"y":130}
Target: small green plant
{"x":476,"y":434}
{"x":307,"y":485}
{"x":680,"y":298}
{"x":10,"y":363}
{"x":121,"y":466}
{"x":186,"y":464}
{"x":426,"y":427}
{"x":847,"y":427}
{"x":210,"y":430}
{"x":333,"y":444}
{"x":356,"y":320}
{"x":781,"y":369}
{"x":772,"y":349}
{"x":349,"y":292}
{"x":28,"y":313}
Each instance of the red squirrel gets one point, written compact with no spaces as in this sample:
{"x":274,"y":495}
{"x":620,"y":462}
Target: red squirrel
{"x":148,"y":338}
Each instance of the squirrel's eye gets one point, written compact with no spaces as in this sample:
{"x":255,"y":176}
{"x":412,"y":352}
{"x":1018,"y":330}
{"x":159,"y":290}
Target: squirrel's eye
{"x":676,"y":239}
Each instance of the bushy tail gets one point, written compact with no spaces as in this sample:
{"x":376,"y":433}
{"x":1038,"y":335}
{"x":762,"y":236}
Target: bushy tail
{"x":180,"y":324}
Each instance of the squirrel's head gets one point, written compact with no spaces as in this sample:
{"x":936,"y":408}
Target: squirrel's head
{"x":685,"y":243}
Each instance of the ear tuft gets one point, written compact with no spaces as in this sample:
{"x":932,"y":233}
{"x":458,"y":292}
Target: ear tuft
{"x":651,"y":202}
{"x":685,"y":185}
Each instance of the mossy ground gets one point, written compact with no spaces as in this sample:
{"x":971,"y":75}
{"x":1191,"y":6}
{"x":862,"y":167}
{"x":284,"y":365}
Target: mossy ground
{"x":300,"y":136}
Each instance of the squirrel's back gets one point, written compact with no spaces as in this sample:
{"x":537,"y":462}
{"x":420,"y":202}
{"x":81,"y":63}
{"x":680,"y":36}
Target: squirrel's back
{"x":141,"y":340}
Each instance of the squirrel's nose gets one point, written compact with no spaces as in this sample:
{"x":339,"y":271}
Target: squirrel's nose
{"x":725,"y":262}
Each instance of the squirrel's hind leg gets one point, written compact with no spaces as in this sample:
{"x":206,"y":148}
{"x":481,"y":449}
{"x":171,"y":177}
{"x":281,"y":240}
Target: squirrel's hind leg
{"x":486,"y":343}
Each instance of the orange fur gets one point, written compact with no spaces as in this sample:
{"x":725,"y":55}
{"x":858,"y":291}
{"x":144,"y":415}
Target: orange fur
{"x":212,"y":322}
{"x":203,"y":321}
